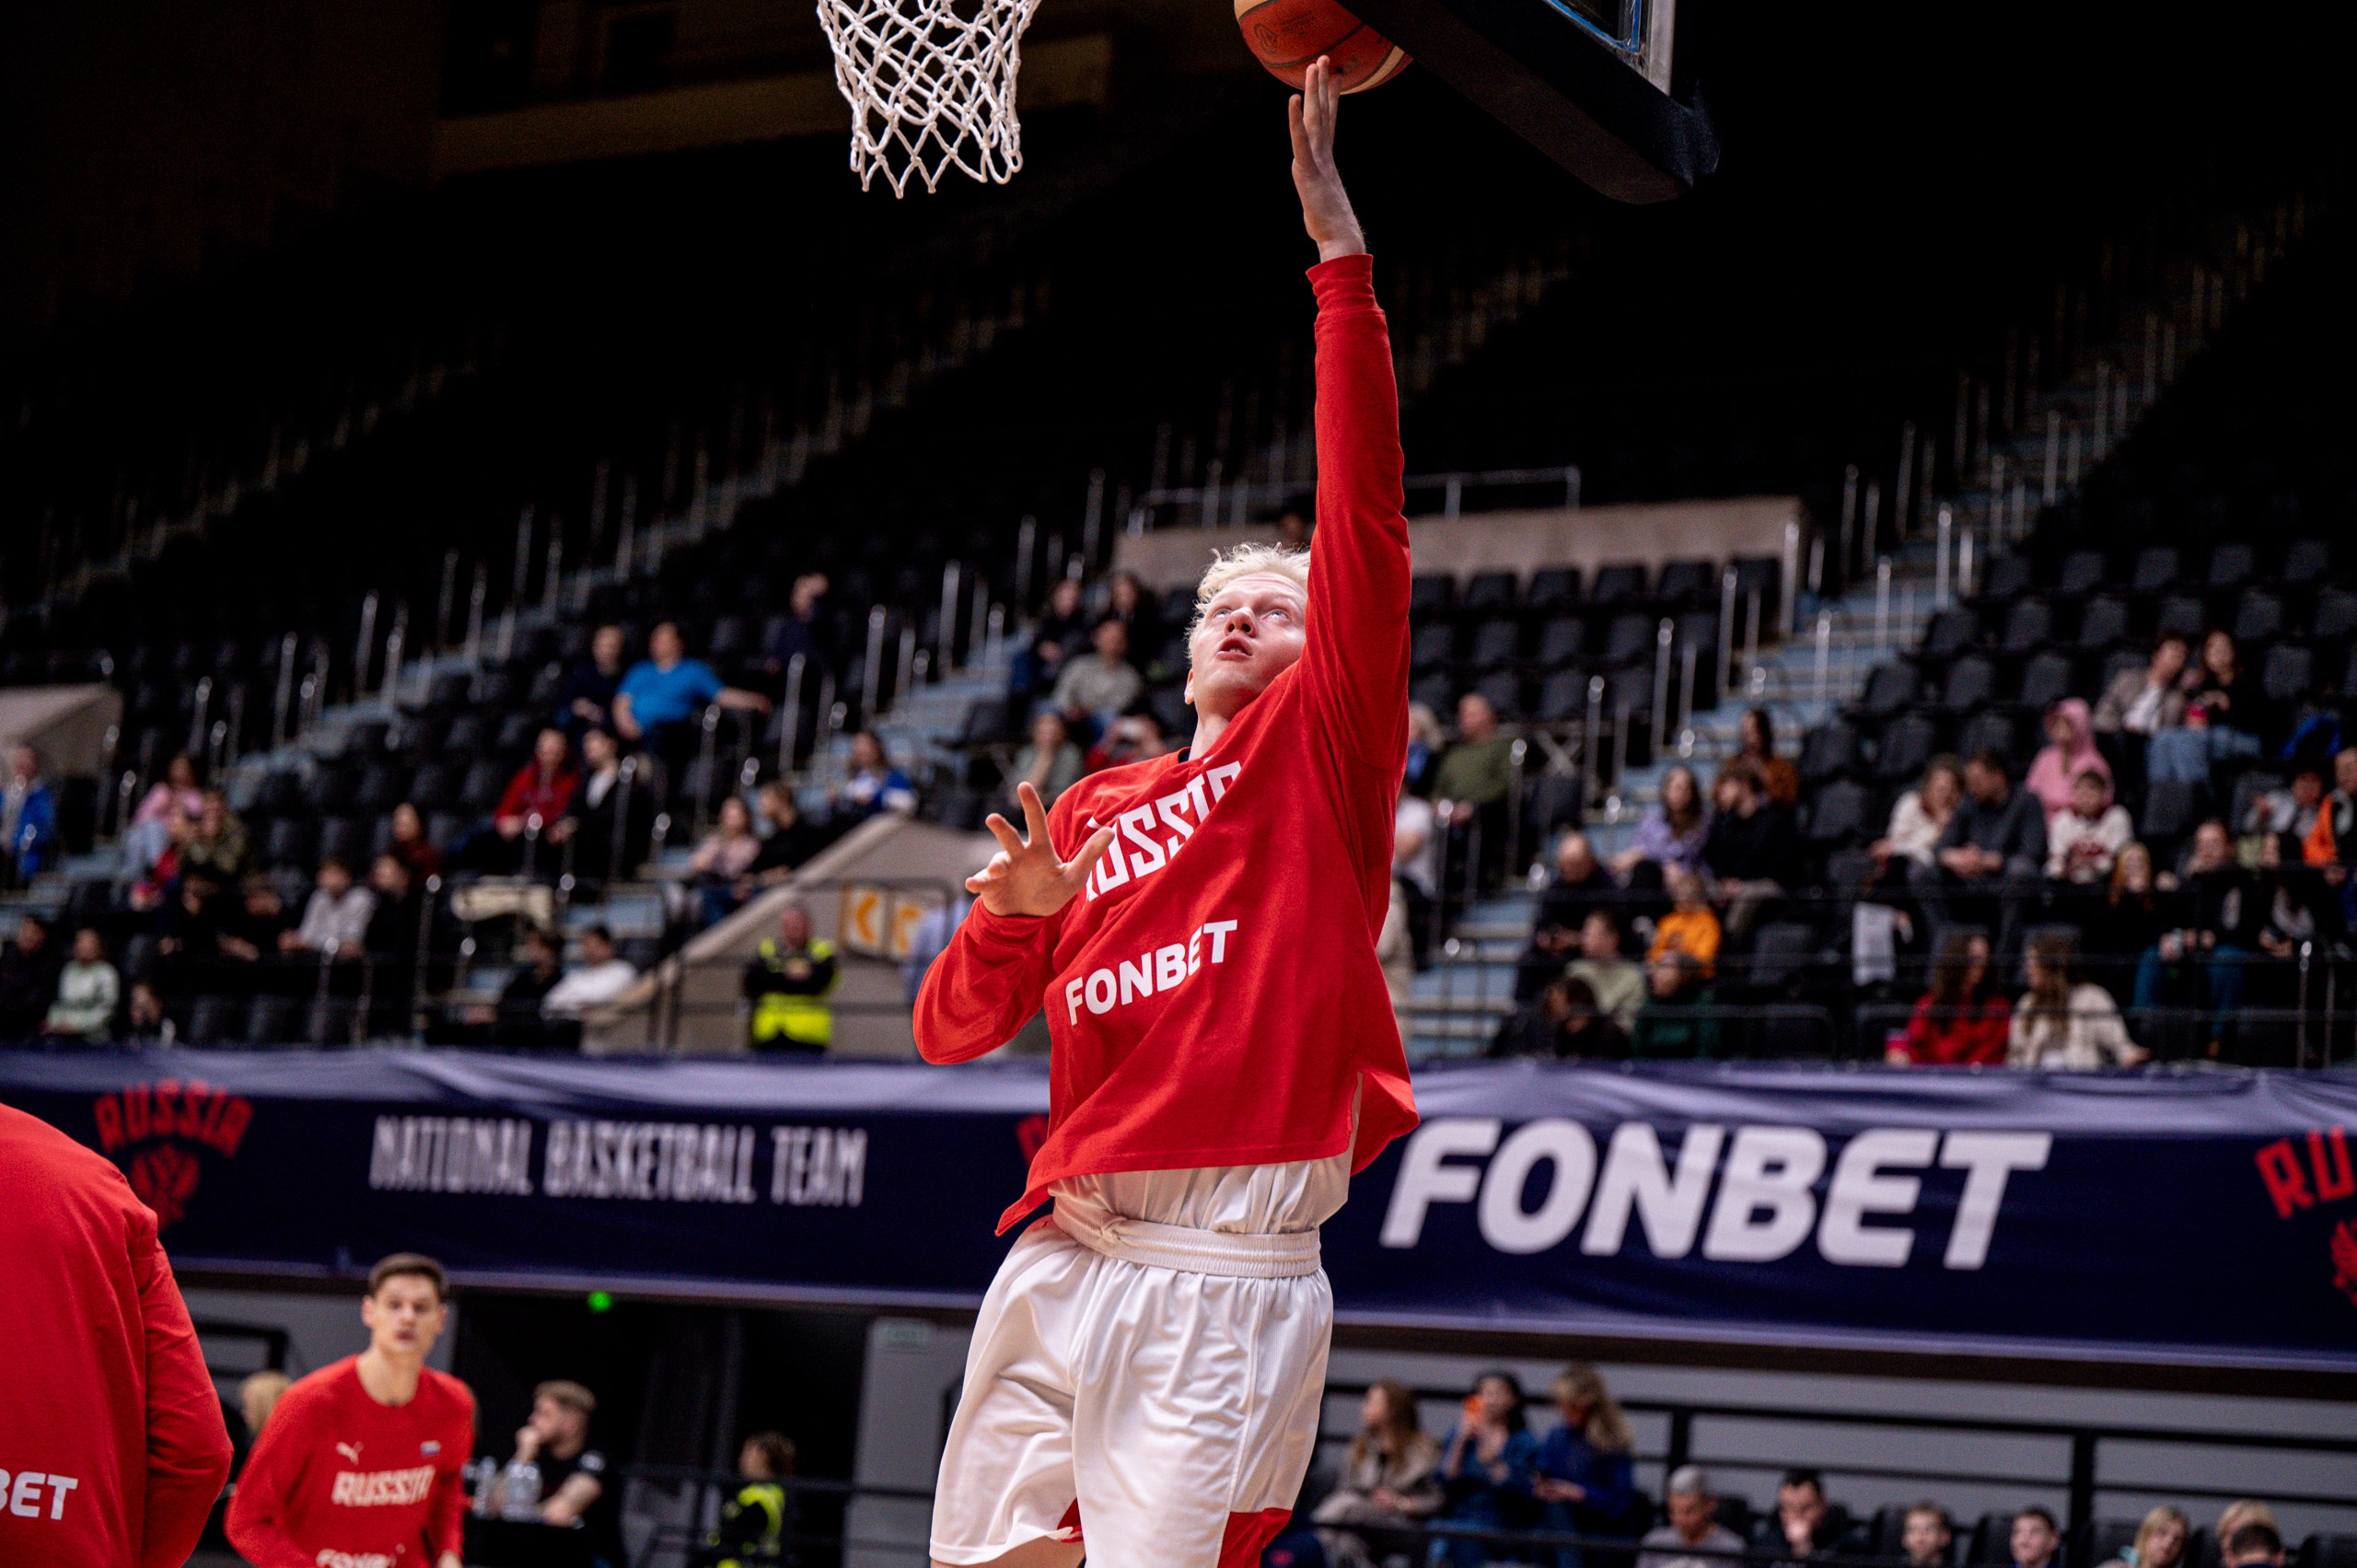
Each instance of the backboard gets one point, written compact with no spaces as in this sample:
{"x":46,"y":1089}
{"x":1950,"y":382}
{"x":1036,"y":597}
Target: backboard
{"x":1585,"y":81}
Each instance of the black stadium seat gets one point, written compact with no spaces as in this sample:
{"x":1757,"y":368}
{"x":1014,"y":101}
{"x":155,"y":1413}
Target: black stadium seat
{"x":2232,"y":566}
{"x":2156,"y":568}
{"x":1829,"y":752}
{"x":1432,"y":645}
{"x":1553,"y":587}
{"x":1908,"y":745}
{"x":1494,"y":642}
{"x":1561,"y":641}
{"x":2082,"y":572}
{"x":2028,"y":626}
{"x":1614,"y":585}
{"x":1490,"y":591}
{"x":2103,"y":623}
{"x":1838,"y":812}
{"x":2046,"y":680}
{"x":2288,"y":672}
{"x":1971,"y":682}
{"x":2258,"y":615}
{"x":1950,"y":633}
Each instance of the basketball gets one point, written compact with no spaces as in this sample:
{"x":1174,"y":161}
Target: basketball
{"x":1286,"y":35}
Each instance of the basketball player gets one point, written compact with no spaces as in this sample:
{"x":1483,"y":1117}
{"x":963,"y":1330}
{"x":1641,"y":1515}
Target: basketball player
{"x":359,"y":1465}
{"x":1148,"y":1366}
{"x":111,"y":1446}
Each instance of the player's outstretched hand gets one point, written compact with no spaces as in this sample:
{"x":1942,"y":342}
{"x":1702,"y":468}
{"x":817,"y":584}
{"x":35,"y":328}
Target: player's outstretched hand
{"x":1325,"y":206}
{"x":1024,"y":877}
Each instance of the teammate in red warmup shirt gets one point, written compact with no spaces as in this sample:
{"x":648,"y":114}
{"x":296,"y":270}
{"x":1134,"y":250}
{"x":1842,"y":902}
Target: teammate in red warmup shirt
{"x":111,"y":1445}
{"x":359,"y":1465}
{"x":1147,"y":1366}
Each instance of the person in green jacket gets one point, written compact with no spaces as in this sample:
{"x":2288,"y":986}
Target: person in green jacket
{"x":1469,"y":791}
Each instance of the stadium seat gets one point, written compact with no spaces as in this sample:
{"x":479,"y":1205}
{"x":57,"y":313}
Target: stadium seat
{"x":1891,"y":690}
{"x":2007,"y":577}
{"x":1432,"y":645}
{"x":516,"y":733}
{"x":2183,"y":614}
{"x":1629,"y":640}
{"x":2082,"y":572}
{"x":2307,"y":560}
{"x":382,"y":787}
{"x":348,"y":838}
{"x":292,"y":840}
{"x":213,"y":1020}
{"x":1561,"y":641}
{"x":470,"y":733}
{"x":486,"y":782}
{"x":2103,"y":623}
{"x":1950,"y":633}
{"x":1494,"y":642}
{"x":985,"y":722}
{"x":1504,"y":688}
{"x":1489,"y":592}
{"x":1687,"y":582}
{"x":449,"y":691}
{"x":1563,"y":698}
{"x":2028,"y":626}
{"x":2328,"y":1552}
{"x":1992,"y":730}
{"x":1617,"y":584}
{"x":2046,"y":680}
{"x":1971,"y":682}
{"x":2336,"y":615}
{"x":2172,"y":806}
{"x":2287,"y":673}
{"x":1553,"y":587}
{"x":1829,"y":752}
{"x":1431,"y":593}
{"x":1838,"y":812}
{"x":435,"y":787}
{"x":2258,"y":615}
{"x":2156,"y":568}
{"x":2231,"y":565}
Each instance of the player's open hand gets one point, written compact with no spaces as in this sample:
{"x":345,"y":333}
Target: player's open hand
{"x":1024,"y":877}
{"x":1325,"y":206}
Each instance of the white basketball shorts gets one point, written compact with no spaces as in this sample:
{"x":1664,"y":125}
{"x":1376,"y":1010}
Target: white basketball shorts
{"x":1147,"y":1371}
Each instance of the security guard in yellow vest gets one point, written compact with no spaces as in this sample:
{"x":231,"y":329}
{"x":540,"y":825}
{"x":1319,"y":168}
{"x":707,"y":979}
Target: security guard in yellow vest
{"x":788,"y":983}
{"x":755,"y":1522}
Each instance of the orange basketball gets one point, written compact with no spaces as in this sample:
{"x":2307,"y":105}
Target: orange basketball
{"x":1287,"y":35}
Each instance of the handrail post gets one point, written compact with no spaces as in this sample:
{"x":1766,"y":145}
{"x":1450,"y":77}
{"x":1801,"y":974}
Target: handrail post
{"x":1592,"y":745}
{"x":905,"y":670}
{"x":1882,"y":601}
{"x":475,"y":597}
{"x":1791,"y":583}
{"x":2083,"y":1483}
{"x":1726,"y":625}
{"x":1663,"y":635}
{"x":950,"y":599}
{"x":789,"y":729}
{"x":365,"y":650}
{"x":1940,"y":556}
{"x":447,"y":602}
{"x":425,"y":949}
{"x":707,"y":749}
{"x":1824,"y":651}
{"x":394,"y":641}
{"x":871,"y":676}
{"x":624,"y":779}
{"x":1516,"y":754}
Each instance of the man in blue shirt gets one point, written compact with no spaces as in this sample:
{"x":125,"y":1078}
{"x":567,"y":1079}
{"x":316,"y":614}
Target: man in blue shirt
{"x":659,"y":699}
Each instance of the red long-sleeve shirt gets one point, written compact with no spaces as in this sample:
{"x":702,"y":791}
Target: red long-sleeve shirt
{"x":336,"y":1478}
{"x":112,"y":1444}
{"x":530,"y":791}
{"x":1214,"y":995}
{"x":1974,"y":1033}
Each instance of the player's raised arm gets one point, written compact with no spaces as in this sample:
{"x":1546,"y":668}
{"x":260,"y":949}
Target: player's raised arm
{"x":1357,"y":646}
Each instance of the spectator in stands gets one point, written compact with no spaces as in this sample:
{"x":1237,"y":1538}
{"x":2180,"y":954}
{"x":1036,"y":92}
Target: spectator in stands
{"x":1051,"y":764}
{"x":1991,"y":853}
{"x":2290,"y":808}
{"x":801,"y":630}
{"x":1469,"y":791}
{"x":2223,"y":715}
{"x":28,"y":979}
{"x":790,"y":839}
{"x":602,"y":977}
{"x":1128,"y":601}
{"x":2161,"y":1540}
{"x":2301,"y":907}
{"x":1678,"y":1019}
{"x":2129,"y":919}
{"x":1136,"y":737}
{"x":188,"y":934}
{"x":2332,"y":841}
{"x":1057,"y":637}
{"x":788,"y":982}
{"x":1415,"y":870}
{"x":1691,"y":928}
{"x":144,"y":1020}
{"x":154,"y":879}
{"x":2221,"y":911}
{"x":1925,"y":1537}
{"x":1581,"y":884}
{"x":519,"y":1022}
{"x":755,"y":1522}
{"x":1693,"y":1527}
{"x":217,"y":843}
{"x":1092,"y":690}
{"x":722,"y":861}
{"x":2069,"y":752}
{"x":147,"y":838}
{"x":2062,"y":1024}
{"x":1388,"y":1479}
{"x":406,"y":839}
{"x":658,"y":699}
{"x":335,"y":921}
{"x":587,"y":700}
{"x":2147,"y":700}
{"x":1753,"y":849}
{"x":2035,"y":1537}
{"x":1669,"y":837}
{"x":1963,"y":1020}
{"x":874,"y":784}
{"x":88,"y":988}
{"x":2255,"y":1544}
{"x":1806,"y":1525}
{"x":1756,"y":744}
{"x":1564,"y":1022}
{"x":532,"y":804}
{"x":1884,"y":917}
{"x":577,"y":1492}
{"x":27,"y":816}
{"x":2235,"y":1515}
{"x":252,"y":929}
{"x":1602,"y":960}
{"x":587,"y":823}
{"x":1583,"y":1473}
{"x":2084,"y":839}
{"x":1485,"y":1469}
{"x":1425,"y":744}
{"x":394,"y":942}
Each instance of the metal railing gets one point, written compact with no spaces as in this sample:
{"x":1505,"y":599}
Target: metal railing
{"x":1213,"y":503}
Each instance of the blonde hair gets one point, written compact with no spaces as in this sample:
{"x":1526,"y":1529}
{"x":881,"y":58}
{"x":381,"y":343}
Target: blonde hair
{"x":258,"y":1396}
{"x":1607,"y":1429}
{"x":1245,"y":560}
{"x":569,"y":1394}
{"x":2164,"y":1514}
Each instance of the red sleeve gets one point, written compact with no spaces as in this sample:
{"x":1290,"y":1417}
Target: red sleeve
{"x":986,"y":985}
{"x":188,"y":1446}
{"x":1356,"y":656}
{"x":256,"y":1519}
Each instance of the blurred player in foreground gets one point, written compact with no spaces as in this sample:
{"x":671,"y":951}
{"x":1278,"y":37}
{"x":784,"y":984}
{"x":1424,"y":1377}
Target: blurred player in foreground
{"x":1148,"y":1365}
{"x":112,"y":1444}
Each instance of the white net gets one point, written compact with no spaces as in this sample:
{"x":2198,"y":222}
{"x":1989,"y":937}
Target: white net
{"x":931,"y":84}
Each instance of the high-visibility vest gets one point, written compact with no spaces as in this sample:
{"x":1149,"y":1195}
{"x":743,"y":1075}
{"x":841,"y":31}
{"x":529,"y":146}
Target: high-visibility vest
{"x":797,"y":1020}
{"x":759,"y":1543}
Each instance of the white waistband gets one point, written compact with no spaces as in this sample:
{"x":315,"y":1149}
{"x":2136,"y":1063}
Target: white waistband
{"x":1230,"y":1254}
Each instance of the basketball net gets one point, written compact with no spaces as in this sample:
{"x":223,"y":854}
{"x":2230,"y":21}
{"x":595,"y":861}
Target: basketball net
{"x":931,"y":84}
